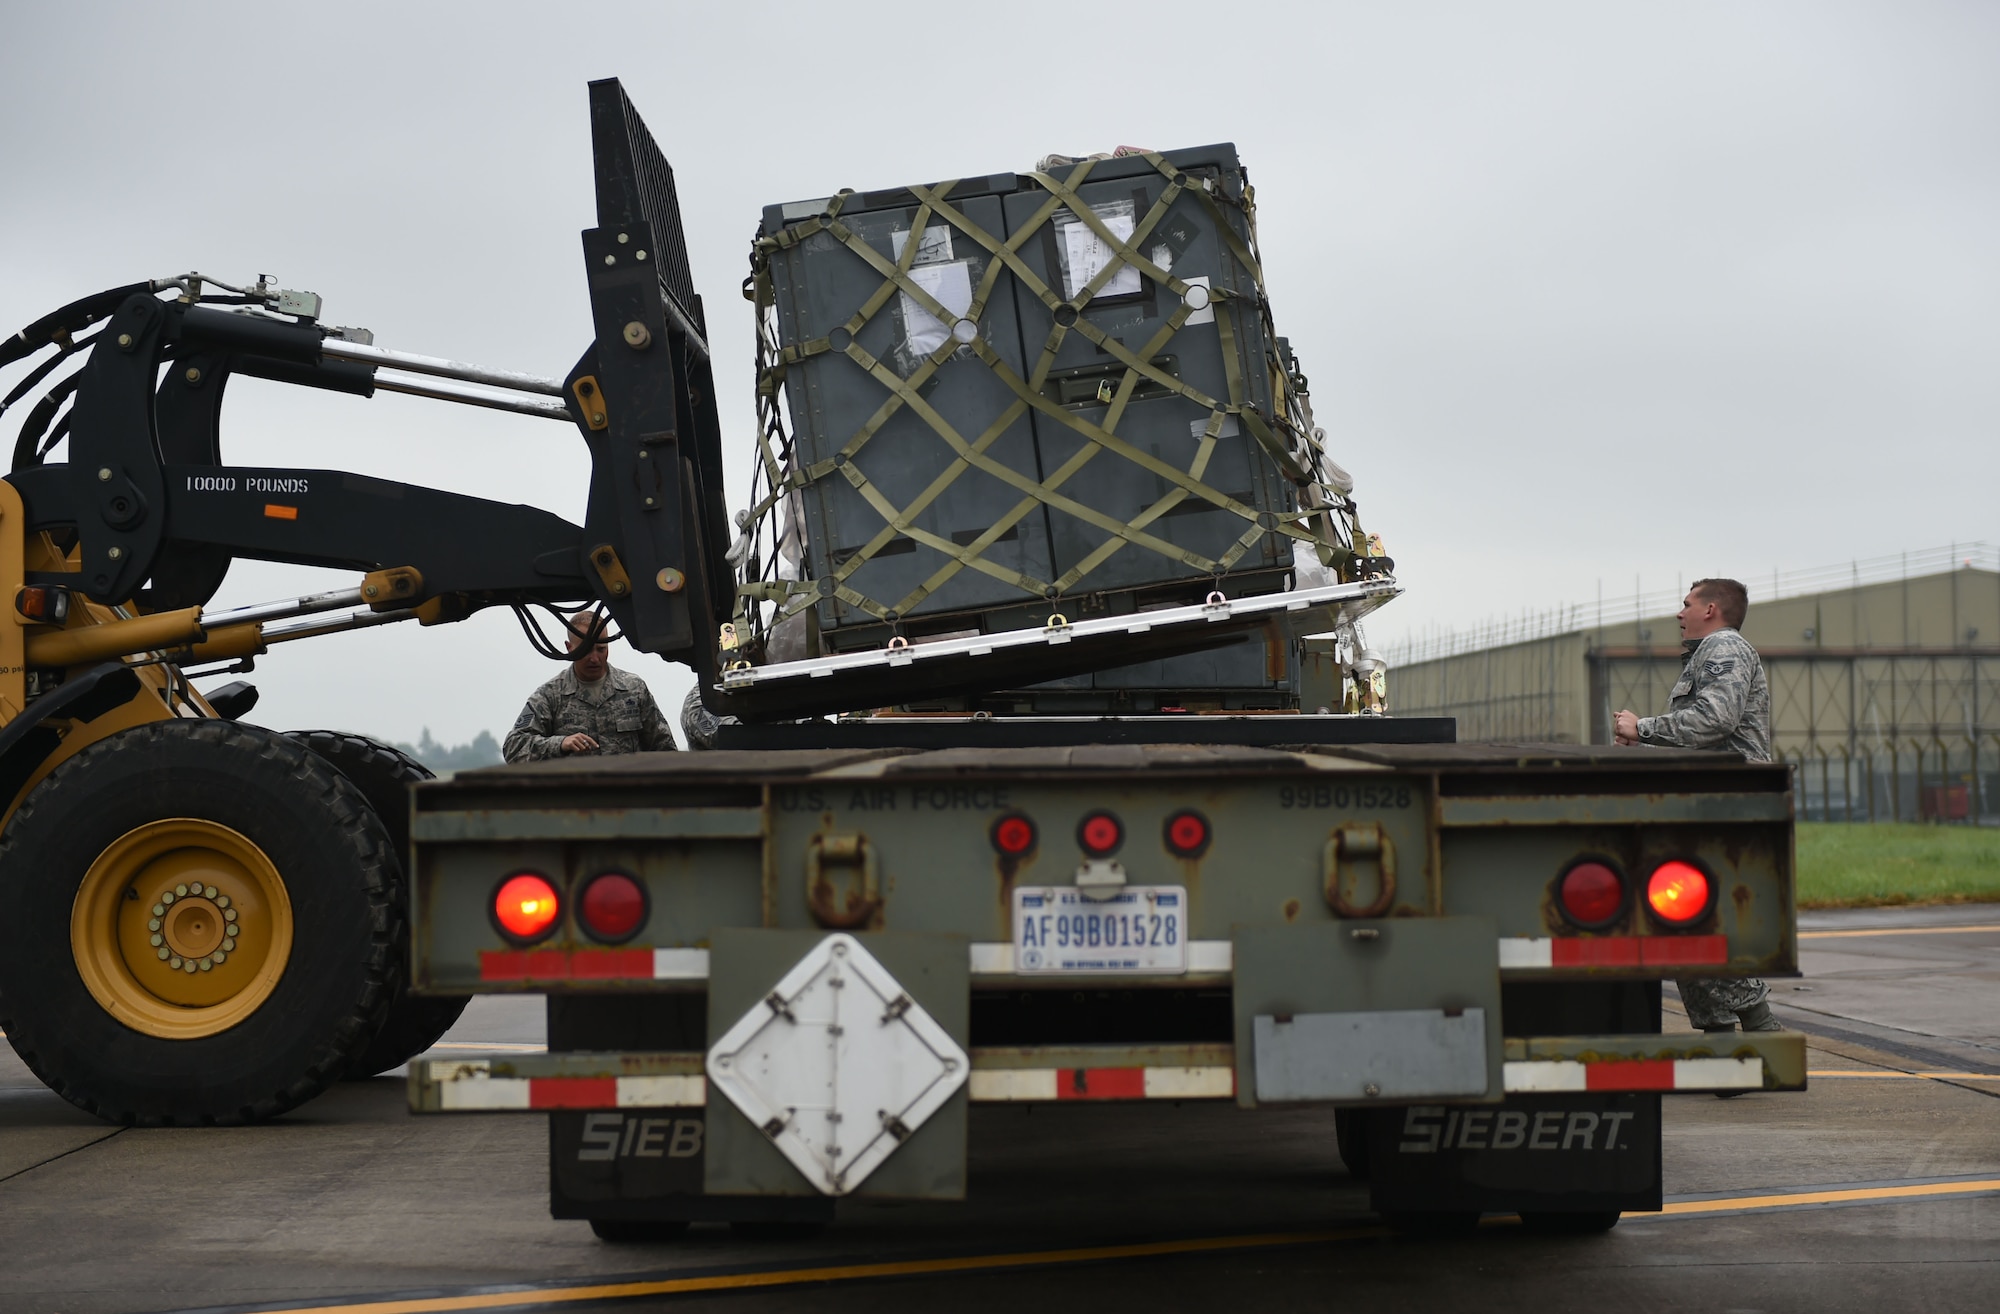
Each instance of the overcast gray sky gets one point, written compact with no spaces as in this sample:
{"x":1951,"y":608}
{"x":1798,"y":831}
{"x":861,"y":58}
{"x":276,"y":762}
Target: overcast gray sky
{"x":1585,"y":291}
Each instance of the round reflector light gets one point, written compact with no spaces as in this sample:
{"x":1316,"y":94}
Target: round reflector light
{"x":1100,"y":834}
{"x":1678,"y":891}
{"x":1592,"y":894}
{"x":613,"y":907}
{"x":1187,"y":834}
{"x":525,"y":906}
{"x":1014,"y":835}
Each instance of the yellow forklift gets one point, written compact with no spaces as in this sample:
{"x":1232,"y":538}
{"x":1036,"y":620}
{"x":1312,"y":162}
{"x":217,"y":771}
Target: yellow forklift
{"x":206,"y":920}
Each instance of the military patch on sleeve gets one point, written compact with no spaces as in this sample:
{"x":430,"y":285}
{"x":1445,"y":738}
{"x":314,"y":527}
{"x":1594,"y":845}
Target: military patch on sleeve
{"x":526,"y":718}
{"x":1718,"y":666}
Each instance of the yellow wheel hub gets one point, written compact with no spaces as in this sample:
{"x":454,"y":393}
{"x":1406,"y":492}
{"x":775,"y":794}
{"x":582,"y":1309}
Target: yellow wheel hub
{"x":181,"y":928}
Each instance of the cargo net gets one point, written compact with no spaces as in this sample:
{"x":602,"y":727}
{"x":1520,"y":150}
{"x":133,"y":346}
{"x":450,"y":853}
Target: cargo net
{"x":770,"y":555}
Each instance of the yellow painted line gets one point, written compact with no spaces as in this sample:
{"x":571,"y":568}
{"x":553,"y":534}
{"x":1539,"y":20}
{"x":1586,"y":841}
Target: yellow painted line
{"x":1903,"y":1076}
{"x":1797,"y":1198}
{"x":831,"y":1273}
{"x":1895,"y":930}
{"x":1049,"y":1258}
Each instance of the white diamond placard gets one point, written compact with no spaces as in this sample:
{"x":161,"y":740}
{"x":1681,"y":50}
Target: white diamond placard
{"x":838,"y":1065}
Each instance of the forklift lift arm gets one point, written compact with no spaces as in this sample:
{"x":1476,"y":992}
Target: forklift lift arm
{"x":157,"y":517}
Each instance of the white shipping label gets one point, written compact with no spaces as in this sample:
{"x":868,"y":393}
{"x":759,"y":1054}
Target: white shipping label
{"x":933,"y":248}
{"x":951,"y":285}
{"x":1087,"y":253}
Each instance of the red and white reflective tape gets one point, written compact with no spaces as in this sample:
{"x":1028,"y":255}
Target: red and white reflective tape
{"x":1523,"y":954}
{"x":1517,"y":953}
{"x":473,"y":1087}
{"x":593,"y":965}
{"x":526,"y":965}
{"x":1005,"y":1085}
{"x":1545,"y":1076}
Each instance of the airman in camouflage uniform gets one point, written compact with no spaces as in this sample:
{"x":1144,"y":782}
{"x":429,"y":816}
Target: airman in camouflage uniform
{"x":699,"y":724}
{"x":1721,"y":702}
{"x":589,"y":708}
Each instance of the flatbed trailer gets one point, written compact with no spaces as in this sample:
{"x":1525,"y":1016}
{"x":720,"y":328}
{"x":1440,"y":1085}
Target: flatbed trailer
{"x":833,"y":950}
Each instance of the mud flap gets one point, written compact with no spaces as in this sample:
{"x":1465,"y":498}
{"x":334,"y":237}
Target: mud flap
{"x":1546,"y":1153}
{"x":645,"y":1165}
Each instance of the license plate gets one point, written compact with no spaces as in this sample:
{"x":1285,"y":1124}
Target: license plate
{"x":1140,"y":928}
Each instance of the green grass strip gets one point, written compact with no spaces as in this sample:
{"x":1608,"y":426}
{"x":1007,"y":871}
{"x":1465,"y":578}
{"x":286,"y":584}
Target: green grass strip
{"x":1870,"y":866}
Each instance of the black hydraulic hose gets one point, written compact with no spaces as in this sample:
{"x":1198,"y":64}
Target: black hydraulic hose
{"x":536,"y":639}
{"x":27,"y":447}
{"x":56,"y":435}
{"x":78,"y":314}
{"x":47,"y":367}
{"x":599,"y":631}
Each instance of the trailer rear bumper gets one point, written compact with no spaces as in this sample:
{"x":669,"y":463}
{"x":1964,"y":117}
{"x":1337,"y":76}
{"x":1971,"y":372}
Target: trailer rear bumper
{"x":522,"y":1083}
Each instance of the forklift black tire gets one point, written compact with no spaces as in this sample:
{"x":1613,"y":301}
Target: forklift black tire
{"x":130,"y":876}
{"x":384,"y":775}
{"x":1585,"y":1223}
{"x":636,"y":1231}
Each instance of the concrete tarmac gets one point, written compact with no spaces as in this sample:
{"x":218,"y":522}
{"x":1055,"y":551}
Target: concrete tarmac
{"x":1877,"y":1189}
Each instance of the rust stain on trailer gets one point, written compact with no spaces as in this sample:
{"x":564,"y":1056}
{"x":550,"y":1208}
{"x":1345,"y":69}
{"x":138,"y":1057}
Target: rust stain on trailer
{"x":1746,"y":912}
{"x":1007,"y":870}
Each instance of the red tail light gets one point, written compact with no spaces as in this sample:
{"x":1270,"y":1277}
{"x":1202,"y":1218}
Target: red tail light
{"x":1592,"y":894}
{"x":612,"y":907}
{"x":525,"y":907}
{"x":1678,"y":892}
{"x":1100,"y":834}
{"x":1014,"y":835}
{"x":1187,"y":834}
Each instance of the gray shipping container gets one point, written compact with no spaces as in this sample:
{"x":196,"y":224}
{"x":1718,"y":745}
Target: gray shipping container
{"x":870,"y":455}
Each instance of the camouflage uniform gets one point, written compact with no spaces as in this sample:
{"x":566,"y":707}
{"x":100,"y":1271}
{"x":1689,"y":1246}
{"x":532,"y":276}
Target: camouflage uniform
{"x":699,"y":724}
{"x":1720,"y":702}
{"x":618,"y":712}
